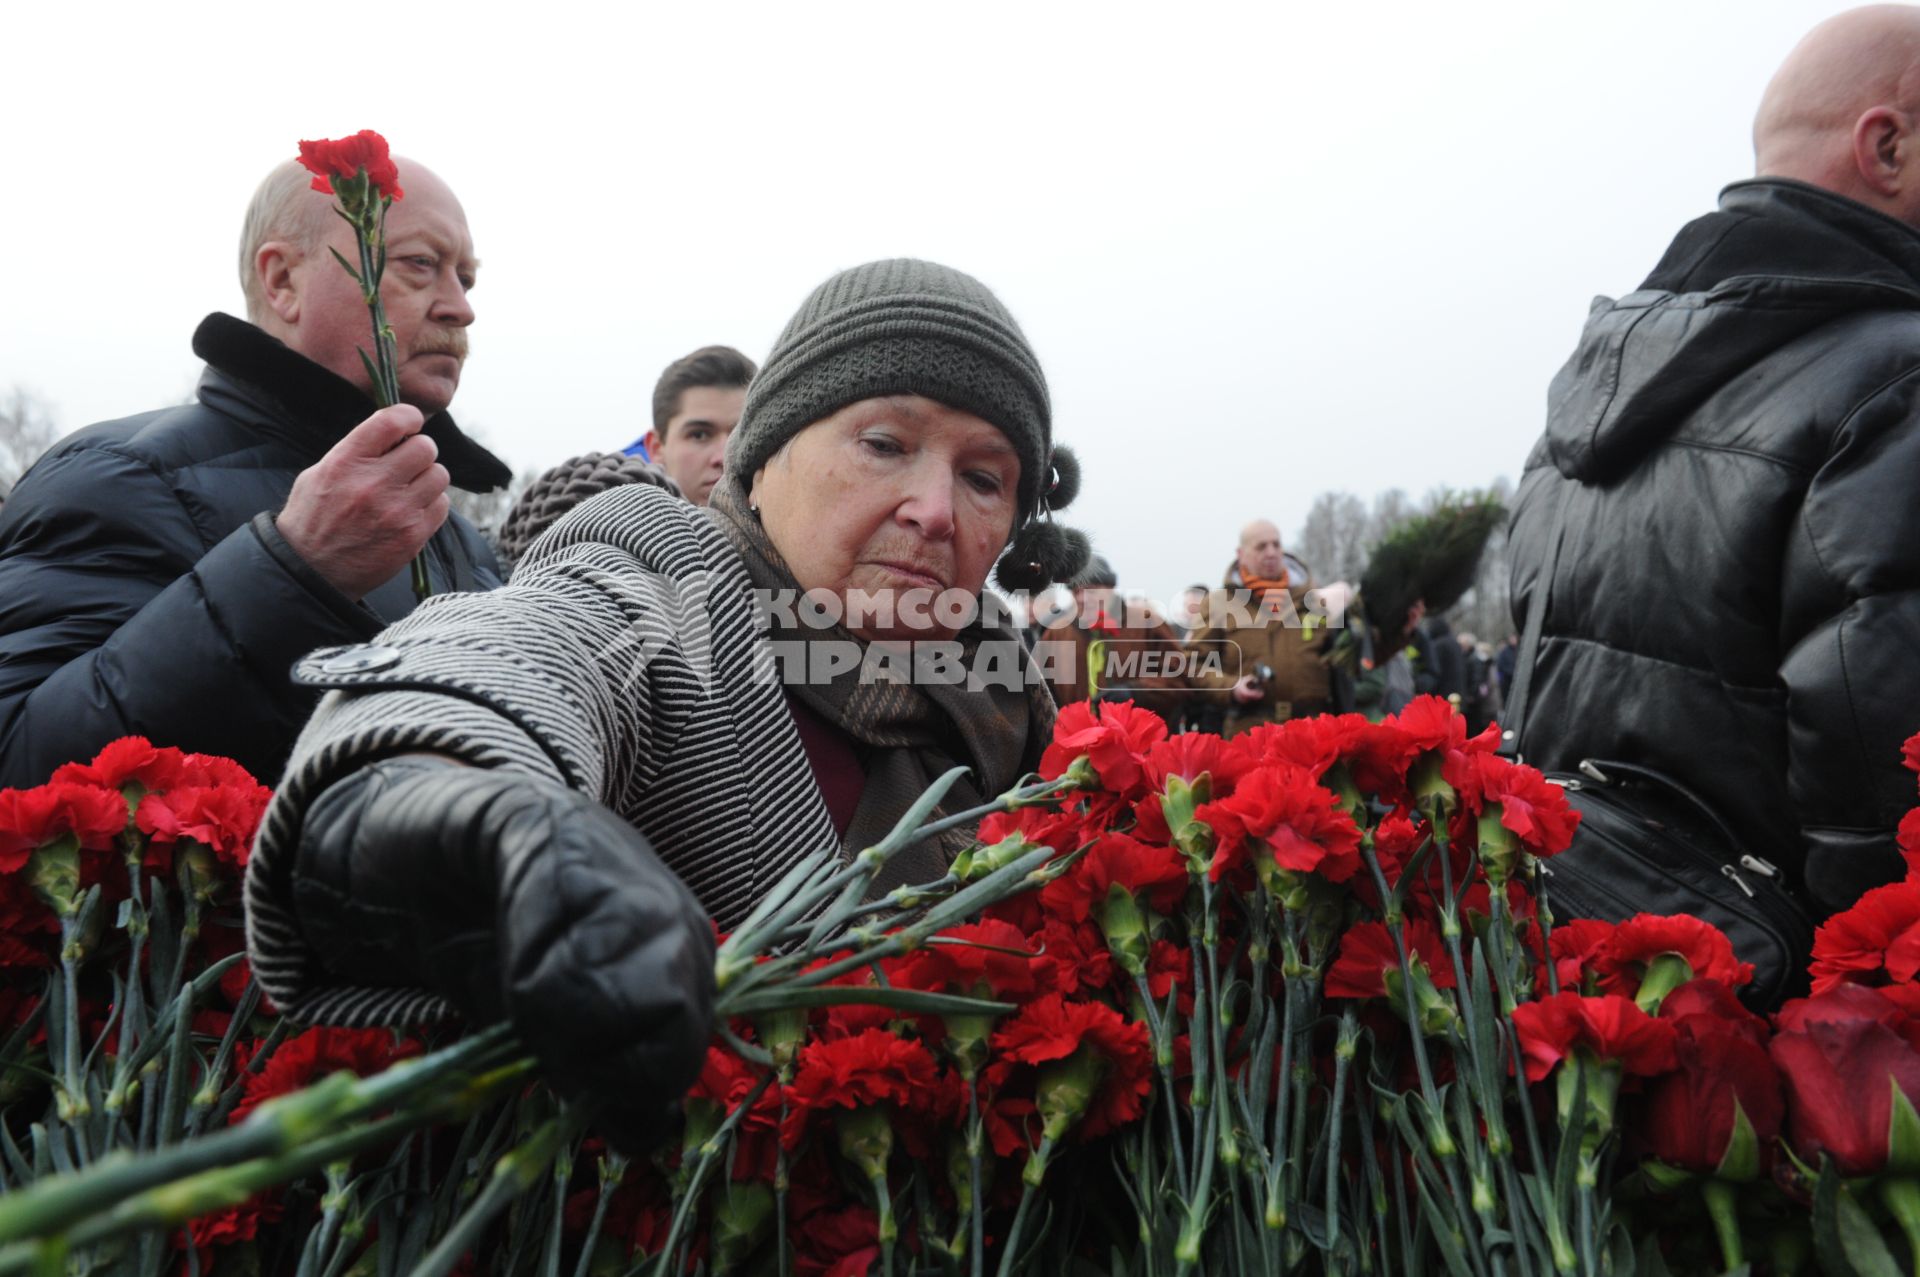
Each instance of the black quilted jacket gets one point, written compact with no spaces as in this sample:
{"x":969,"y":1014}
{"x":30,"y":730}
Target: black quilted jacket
{"x":144,"y":589}
{"x":1737,"y":599}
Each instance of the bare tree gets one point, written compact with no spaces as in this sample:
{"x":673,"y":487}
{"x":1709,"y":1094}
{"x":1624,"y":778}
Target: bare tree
{"x":1334,"y":539}
{"x":1340,"y":532}
{"x":26,"y":431}
{"x":1486,"y":611}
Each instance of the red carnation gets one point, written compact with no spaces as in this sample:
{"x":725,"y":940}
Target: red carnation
{"x":1575,"y":946}
{"x":229,"y":1227}
{"x":1367,"y":954}
{"x":1841,"y":1060}
{"x":1623,"y":957}
{"x":1156,"y":876}
{"x":1073,"y":957}
{"x":1170,"y":967}
{"x":1041,"y":826}
{"x":1115,"y":737}
{"x":1910,"y":753}
{"x":23,"y":914}
{"x":1876,"y":941}
{"x":872,"y":1069}
{"x":840,"y":1243}
{"x":318,"y":1052}
{"x":32,"y":818}
{"x":725,"y":1082}
{"x":1608,"y":1027}
{"x":1051,"y":1030}
{"x":972,"y":962}
{"x":1532,"y":810}
{"x":1907,"y":838}
{"x":1284,"y":810}
{"x":222,"y":818}
{"x":345,"y":157}
{"x":129,"y":760}
{"x":1193,"y":754}
{"x":1689,"y":1116}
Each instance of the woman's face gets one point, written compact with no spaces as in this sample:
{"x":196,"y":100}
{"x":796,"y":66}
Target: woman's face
{"x":888,"y":503}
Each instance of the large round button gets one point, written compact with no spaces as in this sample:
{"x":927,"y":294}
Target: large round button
{"x":359,"y":660}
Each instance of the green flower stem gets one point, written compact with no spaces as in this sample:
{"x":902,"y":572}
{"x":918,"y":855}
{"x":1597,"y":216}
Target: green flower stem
{"x":996,"y":886}
{"x":72,"y":1105}
{"x":172,"y":1204}
{"x":1723,"y":1208}
{"x":737,"y":966}
{"x":1278,"y":1136}
{"x":887,"y":1230}
{"x":516,"y":1172}
{"x":1440,"y":1140}
{"x":276,"y":1131}
{"x":1162,"y":1035}
{"x":160,"y":1030}
{"x":705,"y":1158}
{"x":613,"y":1169}
{"x":1345,"y":1047}
{"x":1030,"y":1187}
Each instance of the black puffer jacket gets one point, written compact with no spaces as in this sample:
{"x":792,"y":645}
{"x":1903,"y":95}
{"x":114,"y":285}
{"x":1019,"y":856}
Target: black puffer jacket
{"x":145,"y":590}
{"x":1737,"y":599}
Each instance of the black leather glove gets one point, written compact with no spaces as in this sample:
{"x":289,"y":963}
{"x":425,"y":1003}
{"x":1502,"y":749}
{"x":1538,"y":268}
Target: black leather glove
{"x":517,"y":899}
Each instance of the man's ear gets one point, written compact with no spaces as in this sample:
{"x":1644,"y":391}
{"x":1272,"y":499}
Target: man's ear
{"x":1882,"y":147}
{"x":273,"y":268}
{"x":652,"y":442}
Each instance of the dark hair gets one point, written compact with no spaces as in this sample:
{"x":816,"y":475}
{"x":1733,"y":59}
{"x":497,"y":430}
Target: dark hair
{"x":721,"y":366}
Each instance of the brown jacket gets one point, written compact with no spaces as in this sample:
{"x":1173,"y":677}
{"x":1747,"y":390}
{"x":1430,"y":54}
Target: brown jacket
{"x":1247,"y":632}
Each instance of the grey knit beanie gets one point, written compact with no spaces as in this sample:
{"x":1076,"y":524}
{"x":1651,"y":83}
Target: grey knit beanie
{"x":907,"y":327}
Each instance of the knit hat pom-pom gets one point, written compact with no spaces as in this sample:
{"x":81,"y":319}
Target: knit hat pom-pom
{"x":1043,"y":553}
{"x":1065,"y":484}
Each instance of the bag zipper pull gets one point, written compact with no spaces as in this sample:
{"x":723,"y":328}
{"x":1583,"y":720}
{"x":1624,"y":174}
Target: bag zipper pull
{"x":1730,"y":872}
{"x":1759,"y":866}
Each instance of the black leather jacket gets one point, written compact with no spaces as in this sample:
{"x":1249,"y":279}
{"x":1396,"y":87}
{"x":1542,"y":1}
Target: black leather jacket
{"x":144,"y":589}
{"x":1737,"y":599}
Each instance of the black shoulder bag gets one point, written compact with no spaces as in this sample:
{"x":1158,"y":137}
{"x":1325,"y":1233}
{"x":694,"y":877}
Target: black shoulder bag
{"x":1649,"y":844}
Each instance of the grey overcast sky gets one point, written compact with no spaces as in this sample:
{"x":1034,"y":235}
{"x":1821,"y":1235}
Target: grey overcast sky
{"x":1263,"y":250}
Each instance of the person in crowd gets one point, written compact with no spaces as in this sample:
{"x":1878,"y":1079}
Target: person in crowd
{"x":1141,"y":657}
{"x":540,"y":505}
{"x":1439,"y":668}
{"x":1722,"y":486}
{"x":1190,"y":610}
{"x":1263,"y":631}
{"x":731,"y":687}
{"x":1480,"y":702}
{"x":696,"y":405}
{"x":1503,"y":662}
{"x":160,"y":574}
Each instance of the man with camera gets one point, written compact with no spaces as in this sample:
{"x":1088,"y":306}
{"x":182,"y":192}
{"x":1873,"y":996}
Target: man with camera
{"x":1267,"y":636}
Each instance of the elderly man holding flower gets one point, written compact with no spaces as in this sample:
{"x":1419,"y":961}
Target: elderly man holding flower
{"x":160,"y":574}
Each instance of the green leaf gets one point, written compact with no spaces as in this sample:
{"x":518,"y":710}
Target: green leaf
{"x":1834,"y":1258}
{"x":1866,"y":1249}
{"x":1741,"y":1162}
{"x":1903,"y":1134}
{"x":347,"y":266}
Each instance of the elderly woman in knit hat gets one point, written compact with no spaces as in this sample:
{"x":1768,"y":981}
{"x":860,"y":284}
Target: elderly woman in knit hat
{"x":525,"y":804}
